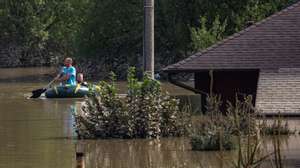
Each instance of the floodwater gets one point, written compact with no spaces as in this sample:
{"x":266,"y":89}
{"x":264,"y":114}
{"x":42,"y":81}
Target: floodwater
{"x":39,"y":134}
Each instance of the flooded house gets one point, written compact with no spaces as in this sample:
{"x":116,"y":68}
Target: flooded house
{"x":262,"y":60}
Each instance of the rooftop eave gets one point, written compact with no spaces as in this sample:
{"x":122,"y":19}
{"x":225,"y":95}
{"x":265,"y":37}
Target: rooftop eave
{"x":174,"y":70}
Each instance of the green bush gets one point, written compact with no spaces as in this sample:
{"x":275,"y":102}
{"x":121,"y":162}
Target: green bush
{"x":146,"y":112}
{"x":214,"y":132}
{"x":103,"y":114}
{"x":212,"y":136}
{"x":217,"y":130}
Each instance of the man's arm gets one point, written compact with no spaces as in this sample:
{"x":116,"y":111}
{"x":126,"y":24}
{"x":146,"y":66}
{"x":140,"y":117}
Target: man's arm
{"x":61,"y":77}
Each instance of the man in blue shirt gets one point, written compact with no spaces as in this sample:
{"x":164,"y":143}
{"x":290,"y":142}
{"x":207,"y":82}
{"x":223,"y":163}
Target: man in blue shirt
{"x":68,"y":73}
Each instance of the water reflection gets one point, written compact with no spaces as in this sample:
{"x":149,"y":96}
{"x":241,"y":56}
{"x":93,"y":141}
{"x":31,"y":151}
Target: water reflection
{"x":33,"y":131}
{"x":174,"y":152}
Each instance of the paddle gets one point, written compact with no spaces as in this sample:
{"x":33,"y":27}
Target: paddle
{"x":38,"y":92}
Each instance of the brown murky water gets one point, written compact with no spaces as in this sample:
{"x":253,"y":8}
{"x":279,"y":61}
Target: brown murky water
{"x":39,"y":134}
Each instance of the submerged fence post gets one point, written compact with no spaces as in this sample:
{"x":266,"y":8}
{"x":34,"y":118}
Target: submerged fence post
{"x":148,"y":50}
{"x":80,"y":160}
{"x":80,"y":156}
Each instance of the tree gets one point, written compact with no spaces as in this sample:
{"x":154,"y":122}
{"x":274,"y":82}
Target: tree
{"x":204,"y":37}
{"x":113,"y":34}
{"x":110,"y":32}
{"x":40,"y":27}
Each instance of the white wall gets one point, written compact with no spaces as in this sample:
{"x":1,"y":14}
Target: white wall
{"x":279,"y":91}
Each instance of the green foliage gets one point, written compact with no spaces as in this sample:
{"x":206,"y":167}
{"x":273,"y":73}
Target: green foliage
{"x":175,"y":120}
{"x":144,"y":105}
{"x":113,"y":34}
{"x":110,"y":32}
{"x":256,"y":10}
{"x":103,"y":115}
{"x":204,"y":37}
{"x":237,"y":129}
{"x":214,"y":134}
{"x":146,"y":112}
{"x":155,"y":113}
{"x":41,"y":28}
{"x":215,"y":131}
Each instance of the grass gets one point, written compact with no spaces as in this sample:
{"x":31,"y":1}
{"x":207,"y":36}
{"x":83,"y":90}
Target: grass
{"x":276,"y":127}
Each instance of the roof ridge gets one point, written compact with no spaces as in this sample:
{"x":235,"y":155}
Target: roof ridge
{"x":235,"y":35}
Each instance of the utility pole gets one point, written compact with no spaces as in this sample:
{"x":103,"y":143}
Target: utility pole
{"x":148,"y":50}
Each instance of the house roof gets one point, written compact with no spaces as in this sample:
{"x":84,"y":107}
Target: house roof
{"x":269,"y":44}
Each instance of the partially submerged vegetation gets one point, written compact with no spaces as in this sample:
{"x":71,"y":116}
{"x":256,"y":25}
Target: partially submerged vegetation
{"x":238,"y":129}
{"x":146,"y":112}
{"x":219,"y":130}
{"x":212,"y":135}
{"x":276,"y":127}
{"x":213,"y":132}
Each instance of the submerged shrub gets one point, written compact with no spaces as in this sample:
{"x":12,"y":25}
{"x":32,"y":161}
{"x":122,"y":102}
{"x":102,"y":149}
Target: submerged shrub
{"x":243,"y":114}
{"x":218,"y":130}
{"x":277,"y":127}
{"x":175,"y":121}
{"x":215,"y":131}
{"x":213,"y":107}
{"x":212,"y":136}
{"x":103,"y":114}
{"x":146,"y":112}
{"x":250,"y":152}
{"x":154,"y":112}
{"x":143,"y":103}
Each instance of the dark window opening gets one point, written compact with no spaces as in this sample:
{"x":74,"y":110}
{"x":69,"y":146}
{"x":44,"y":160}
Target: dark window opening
{"x":228,"y":84}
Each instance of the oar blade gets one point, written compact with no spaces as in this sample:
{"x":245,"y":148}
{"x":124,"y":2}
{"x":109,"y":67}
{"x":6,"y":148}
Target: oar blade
{"x":37,"y":93}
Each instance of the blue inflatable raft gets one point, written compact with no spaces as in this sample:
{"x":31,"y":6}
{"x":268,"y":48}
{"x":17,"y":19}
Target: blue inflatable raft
{"x":77,"y":91}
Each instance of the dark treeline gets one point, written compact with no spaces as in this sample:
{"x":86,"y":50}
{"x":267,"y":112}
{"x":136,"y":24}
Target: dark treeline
{"x":106,"y":35}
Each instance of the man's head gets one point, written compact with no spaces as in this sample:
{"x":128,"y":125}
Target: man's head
{"x":80,"y":78}
{"x":68,"y":62}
